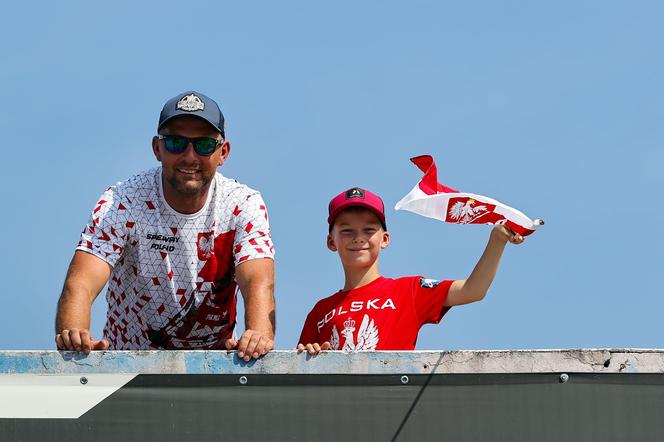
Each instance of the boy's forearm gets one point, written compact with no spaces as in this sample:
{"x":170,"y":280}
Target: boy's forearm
{"x":482,"y":276}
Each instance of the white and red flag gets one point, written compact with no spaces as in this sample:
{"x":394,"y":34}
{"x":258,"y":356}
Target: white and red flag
{"x":434,"y":200}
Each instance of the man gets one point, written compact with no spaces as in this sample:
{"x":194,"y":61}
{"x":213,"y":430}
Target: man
{"x":174,"y":243}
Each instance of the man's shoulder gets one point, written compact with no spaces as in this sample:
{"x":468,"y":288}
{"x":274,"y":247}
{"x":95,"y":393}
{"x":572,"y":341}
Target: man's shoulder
{"x":231,"y":184}
{"x":229,"y":188}
{"x":143,"y":183}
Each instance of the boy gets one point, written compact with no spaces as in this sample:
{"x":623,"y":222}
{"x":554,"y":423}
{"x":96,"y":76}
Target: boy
{"x":376,"y":313}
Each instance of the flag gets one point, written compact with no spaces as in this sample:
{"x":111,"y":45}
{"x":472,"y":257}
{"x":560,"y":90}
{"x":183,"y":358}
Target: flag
{"x":434,"y":200}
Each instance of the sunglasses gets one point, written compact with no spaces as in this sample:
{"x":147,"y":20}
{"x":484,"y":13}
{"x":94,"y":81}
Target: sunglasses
{"x":204,"y":146}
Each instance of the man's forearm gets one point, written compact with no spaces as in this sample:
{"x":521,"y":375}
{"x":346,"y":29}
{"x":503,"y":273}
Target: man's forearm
{"x":85,"y":278}
{"x":259,"y":310}
{"x":256,"y":281}
{"x":73,"y":310}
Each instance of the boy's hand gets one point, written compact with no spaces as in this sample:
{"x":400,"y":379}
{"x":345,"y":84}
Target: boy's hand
{"x":315,"y":348}
{"x":503,"y":234}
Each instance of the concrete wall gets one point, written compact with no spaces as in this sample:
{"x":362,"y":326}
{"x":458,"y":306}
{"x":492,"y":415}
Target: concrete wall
{"x":335,"y":362}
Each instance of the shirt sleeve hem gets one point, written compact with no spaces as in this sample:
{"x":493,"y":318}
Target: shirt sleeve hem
{"x":251,"y":258}
{"x":97,"y":254}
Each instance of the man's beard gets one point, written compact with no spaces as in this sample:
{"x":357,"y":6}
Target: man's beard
{"x":189,"y":187}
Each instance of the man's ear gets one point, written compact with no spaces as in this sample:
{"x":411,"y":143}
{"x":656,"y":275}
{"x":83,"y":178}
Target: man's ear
{"x":330,"y":243}
{"x":155,"y":148}
{"x":385,"y":241}
{"x":225,"y":151}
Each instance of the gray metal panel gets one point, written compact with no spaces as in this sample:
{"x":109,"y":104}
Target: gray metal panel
{"x":458,"y":407}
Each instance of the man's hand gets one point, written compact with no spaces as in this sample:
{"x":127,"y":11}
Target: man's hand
{"x":79,"y":340}
{"x":315,"y":348}
{"x":252,"y":344}
{"x":503,"y":234}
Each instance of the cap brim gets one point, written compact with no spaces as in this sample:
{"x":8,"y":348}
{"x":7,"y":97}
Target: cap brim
{"x":189,"y":114}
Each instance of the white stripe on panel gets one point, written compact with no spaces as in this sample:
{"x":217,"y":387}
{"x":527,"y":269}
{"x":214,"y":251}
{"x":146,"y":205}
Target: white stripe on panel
{"x":55,"y":396}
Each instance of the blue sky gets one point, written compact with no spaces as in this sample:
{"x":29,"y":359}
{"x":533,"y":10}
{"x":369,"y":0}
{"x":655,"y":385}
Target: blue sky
{"x":553,"y":108}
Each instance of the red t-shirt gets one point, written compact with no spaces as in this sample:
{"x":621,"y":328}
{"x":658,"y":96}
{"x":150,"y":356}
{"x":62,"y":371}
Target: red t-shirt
{"x":385,"y":314}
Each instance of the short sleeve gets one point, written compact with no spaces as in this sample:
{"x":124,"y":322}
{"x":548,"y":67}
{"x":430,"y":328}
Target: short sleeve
{"x":309,"y":333}
{"x":105,"y":233}
{"x":252,"y":230}
{"x":429,"y":296}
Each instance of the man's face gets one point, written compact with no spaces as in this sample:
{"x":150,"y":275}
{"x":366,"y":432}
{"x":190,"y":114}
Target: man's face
{"x":358,"y":237}
{"x":188,"y":173}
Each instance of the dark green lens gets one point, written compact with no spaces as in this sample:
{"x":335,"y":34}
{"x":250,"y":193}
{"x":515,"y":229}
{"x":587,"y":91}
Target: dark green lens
{"x":175,"y":143}
{"x":205,"y":145}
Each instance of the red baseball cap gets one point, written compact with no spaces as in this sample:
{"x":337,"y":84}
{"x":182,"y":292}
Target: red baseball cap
{"x":356,"y":197}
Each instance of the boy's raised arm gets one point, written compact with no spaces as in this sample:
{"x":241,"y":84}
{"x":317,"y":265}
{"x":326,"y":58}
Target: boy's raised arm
{"x":465,"y":291}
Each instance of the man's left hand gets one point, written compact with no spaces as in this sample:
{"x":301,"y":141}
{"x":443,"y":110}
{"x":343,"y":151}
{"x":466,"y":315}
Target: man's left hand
{"x":252,"y":344}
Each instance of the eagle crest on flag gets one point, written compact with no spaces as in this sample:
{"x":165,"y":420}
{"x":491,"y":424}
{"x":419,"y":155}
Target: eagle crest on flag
{"x":466,"y":213}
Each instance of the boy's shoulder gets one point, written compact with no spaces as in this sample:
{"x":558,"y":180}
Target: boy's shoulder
{"x":401,"y":285}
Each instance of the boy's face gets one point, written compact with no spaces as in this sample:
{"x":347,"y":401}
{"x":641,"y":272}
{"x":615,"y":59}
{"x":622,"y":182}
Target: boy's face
{"x":358,"y":237}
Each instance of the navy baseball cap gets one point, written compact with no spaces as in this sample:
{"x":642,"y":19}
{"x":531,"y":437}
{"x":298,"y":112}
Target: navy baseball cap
{"x":194,"y":104}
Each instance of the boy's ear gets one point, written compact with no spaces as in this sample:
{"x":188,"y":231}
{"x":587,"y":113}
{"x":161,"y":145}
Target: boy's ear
{"x":330,"y":243}
{"x":386,"y":240}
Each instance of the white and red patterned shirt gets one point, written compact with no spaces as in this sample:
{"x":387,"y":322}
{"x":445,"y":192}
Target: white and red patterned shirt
{"x":173,"y":280}
{"x":385,"y":314}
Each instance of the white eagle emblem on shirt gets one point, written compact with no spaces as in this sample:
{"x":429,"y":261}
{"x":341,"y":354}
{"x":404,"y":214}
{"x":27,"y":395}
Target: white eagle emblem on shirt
{"x":367,"y":335}
{"x":206,"y":245}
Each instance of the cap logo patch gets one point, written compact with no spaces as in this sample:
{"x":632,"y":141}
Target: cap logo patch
{"x":355,"y":192}
{"x":190,"y":103}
